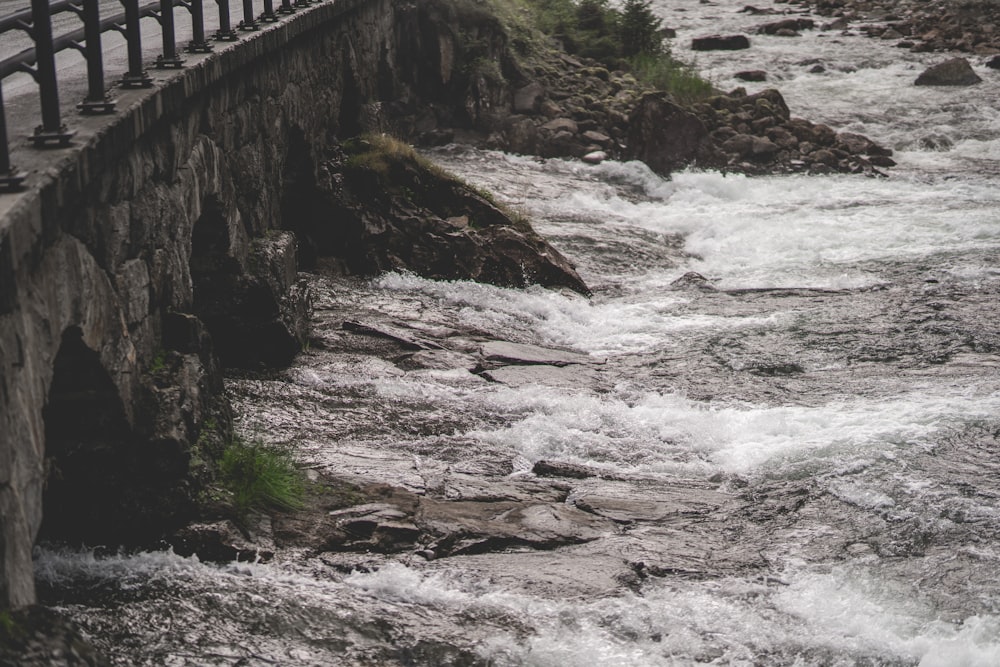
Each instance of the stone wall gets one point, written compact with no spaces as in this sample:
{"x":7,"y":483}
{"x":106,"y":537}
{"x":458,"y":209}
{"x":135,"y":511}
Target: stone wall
{"x":164,"y":219}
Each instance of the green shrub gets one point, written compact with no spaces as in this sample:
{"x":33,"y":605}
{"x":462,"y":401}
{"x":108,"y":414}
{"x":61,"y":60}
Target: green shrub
{"x":159,"y":362}
{"x":595,"y":29}
{"x":261,"y":477}
{"x":554,"y":17}
{"x":627,"y":38}
{"x":605,"y":49}
{"x":595,"y":16}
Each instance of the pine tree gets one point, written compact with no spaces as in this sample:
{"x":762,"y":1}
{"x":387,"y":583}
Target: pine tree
{"x":640,"y":29}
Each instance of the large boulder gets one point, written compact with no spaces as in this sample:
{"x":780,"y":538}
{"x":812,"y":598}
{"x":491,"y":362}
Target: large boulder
{"x":667,"y":137}
{"x":383,"y":208}
{"x":520,"y":134}
{"x":720,"y":43}
{"x":768,"y":102}
{"x":953,"y":72}
{"x":528,"y":99}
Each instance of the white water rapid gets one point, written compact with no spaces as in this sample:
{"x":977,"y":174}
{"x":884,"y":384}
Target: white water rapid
{"x":837,"y":390}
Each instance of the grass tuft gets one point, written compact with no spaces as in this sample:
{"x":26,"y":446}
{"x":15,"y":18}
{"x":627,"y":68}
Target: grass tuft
{"x":261,"y":477}
{"x":377,"y":153}
{"x":662,"y":72}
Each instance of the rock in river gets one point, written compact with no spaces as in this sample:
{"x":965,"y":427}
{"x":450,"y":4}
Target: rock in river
{"x":664,"y":135}
{"x":954,"y":72}
{"x":751,"y":75}
{"x":720,"y":43}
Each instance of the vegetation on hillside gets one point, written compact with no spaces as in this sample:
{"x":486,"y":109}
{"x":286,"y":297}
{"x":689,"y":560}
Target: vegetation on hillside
{"x":628,"y":38}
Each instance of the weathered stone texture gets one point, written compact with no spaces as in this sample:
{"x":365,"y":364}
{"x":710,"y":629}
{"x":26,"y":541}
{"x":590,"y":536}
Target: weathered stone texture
{"x":952,"y":72}
{"x":664,"y":135}
{"x":103,"y":246}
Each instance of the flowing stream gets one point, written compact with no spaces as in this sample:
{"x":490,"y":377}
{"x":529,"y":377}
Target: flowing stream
{"x":815,"y":428}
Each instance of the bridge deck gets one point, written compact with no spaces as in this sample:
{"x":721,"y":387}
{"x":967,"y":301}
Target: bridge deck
{"x":20,"y":93}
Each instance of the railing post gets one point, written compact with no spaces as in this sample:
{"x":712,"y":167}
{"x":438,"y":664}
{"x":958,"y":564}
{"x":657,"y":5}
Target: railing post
{"x":269,"y":16}
{"x":225,"y":33}
{"x":51,"y":130}
{"x":169,"y":57}
{"x":249,"y":22}
{"x":286,"y":7}
{"x":136,"y":76}
{"x":301,"y":4}
{"x":10,"y":177}
{"x":198,"y":44}
{"x":97,"y":100}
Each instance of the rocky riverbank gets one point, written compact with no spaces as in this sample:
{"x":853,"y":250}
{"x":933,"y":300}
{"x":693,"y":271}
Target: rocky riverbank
{"x":379,"y":207}
{"x":494,"y":91}
{"x":968,"y":27}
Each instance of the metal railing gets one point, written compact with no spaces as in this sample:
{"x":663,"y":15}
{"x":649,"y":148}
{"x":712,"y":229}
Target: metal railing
{"x":39,"y":61}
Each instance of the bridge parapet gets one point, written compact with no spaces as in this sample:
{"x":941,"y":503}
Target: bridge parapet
{"x":110,"y":251}
{"x":39,"y":60}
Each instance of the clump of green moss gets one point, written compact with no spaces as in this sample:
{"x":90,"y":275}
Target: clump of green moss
{"x":261,"y":477}
{"x":11,"y":632}
{"x":159,"y":362}
{"x":6,"y":623}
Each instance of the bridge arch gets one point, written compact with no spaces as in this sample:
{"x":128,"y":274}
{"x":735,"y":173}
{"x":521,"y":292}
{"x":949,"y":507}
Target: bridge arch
{"x":95,"y":266}
{"x":86,"y":430}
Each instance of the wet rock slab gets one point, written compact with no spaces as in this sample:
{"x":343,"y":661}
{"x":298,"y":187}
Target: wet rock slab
{"x":220,"y":542}
{"x":441,"y":360}
{"x":519,"y":353}
{"x":397,"y":520}
{"x":559,"y":538}
{"x":570,"y":376}
{"x":454,"y":350}
{"x":409,"y":339}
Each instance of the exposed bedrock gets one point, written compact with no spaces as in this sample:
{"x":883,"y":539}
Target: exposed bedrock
{"x":380,"y":208}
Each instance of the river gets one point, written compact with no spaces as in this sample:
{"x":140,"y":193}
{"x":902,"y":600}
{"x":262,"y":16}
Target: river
{"x":797,"y":457}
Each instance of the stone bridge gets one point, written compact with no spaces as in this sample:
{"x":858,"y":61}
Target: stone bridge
{"x":133,"y":247}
